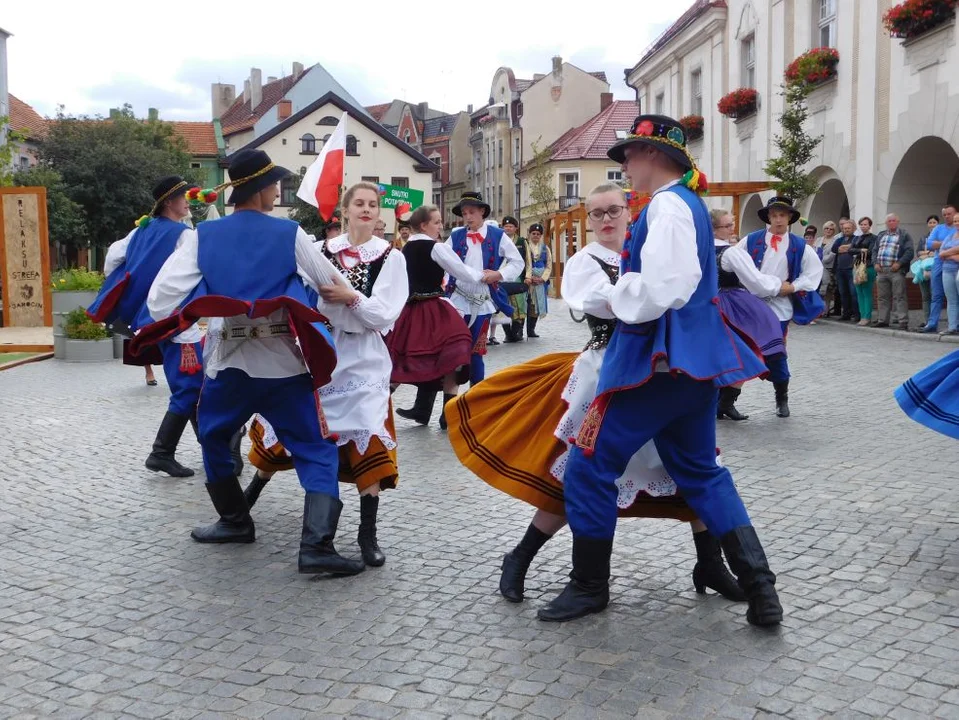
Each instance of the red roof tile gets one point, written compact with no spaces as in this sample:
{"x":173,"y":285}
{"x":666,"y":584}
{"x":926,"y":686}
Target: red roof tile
{"x":592,"y":139}
{"x":240,"y":116}
{"x":200,"y":137}
{"x":25,"y":119}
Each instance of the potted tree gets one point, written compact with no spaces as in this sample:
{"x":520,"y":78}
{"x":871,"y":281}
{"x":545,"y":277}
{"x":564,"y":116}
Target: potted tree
{"x":85,"y":340}
{"x":72,"y":289}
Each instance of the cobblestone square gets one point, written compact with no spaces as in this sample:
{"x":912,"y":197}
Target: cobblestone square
{"x":108,"y":609}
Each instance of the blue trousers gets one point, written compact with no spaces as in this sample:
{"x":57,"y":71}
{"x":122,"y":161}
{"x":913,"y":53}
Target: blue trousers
{"x":184,"y":388}
{"x":478,"y":330}
{"x":679,"y":415}
{"x":288,"y":404}
{"x":938,"y":294}
{"x":777,"y":364}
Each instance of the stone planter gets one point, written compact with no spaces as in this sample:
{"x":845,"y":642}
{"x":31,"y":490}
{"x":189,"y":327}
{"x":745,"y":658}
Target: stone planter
{"x":63,"y":304}
{"x":82,"y":351}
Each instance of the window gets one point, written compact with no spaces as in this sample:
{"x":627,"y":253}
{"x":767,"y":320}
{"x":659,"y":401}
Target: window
{"x":696,"y":92}
{"x":569,"y":184}
{"x":25,"y":162}
{"x":499,"y":200}
{"x":288,"y":186}
{"x":406,"y":136}
{"x":436,"y":199}
{"x":748,"y":52}
{"x":375,"y":179}
{"x":517,"y":155}
{"x":351,"y":145}
{"x":308,"y":145}
{"x":660,"y":103}
{"x":516,"y":199}
{"x":614,"y":175}
{"x":827,"y":23}
{"x":400,"y":181}
{"x":194,"y":166}
{"x":621,"y":134}
{"x":328,"y":120}
{"x":438,"y":173}
{"x":499,"y":152}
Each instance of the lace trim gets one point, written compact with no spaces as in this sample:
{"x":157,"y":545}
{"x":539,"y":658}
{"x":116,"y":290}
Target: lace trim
{"x":369,"y":251}
{"x":353,"y":386}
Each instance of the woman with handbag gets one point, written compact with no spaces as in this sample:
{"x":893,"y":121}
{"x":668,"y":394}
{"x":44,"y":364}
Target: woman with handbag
{"x":864,"y":270}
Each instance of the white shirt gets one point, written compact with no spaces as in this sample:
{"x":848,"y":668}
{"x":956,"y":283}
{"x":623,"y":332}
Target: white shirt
{"x":776,"y":264}
{"x":510,"y":269}
{"x":263,"y":357}
{"x":585,"y":287}
{"x":444,"y":256}
{"x":670,"y":259}
{"x":764,"y":286}
{"x":117,"y":255}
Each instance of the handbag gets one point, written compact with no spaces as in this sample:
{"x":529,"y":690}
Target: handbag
{"x":860,"y":274}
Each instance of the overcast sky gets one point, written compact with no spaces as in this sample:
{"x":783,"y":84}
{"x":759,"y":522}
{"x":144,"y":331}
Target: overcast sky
{"x":94,"y":55}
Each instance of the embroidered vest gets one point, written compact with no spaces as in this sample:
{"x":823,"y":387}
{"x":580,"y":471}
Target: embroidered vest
{"x":362,"y":276}
{"x":491,"y":261}
{"x":807,"y":306}
{"x":727,"y":280}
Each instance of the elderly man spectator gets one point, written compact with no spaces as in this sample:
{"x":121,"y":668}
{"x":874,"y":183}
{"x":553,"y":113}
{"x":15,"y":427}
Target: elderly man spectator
{"x":894,"y":254}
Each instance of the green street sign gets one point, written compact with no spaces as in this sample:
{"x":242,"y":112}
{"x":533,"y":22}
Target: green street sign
{"x":393,"y":195}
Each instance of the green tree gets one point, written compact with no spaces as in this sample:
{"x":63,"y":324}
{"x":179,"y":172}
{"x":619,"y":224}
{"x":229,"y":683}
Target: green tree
{"x":65,"y":218}
{"x":11,"y":139}
{"x":542,"y":185}
{"x":795,"y":145}
{"x":308,"y":216}
{"x":109,"y":167}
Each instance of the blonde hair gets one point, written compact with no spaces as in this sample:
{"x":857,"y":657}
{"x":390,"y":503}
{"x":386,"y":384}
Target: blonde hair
{"x":348,"y":195}
{"x":605,"y":188}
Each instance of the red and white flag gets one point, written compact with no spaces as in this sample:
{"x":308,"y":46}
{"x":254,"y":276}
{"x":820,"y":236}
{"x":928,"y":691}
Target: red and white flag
{"x":321,"y":184}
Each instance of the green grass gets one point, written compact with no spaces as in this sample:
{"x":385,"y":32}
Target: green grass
{"x":13,"y":357}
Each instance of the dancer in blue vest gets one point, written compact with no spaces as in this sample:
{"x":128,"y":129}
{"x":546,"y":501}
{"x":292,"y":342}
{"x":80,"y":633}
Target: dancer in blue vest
{"x":668,"y":355}
{"x":782,"y":256}
{"x":131,"y":266}
{"x":267,"y":355}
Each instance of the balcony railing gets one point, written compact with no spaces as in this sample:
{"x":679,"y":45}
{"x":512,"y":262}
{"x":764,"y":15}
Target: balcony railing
{"x":566,"y":202}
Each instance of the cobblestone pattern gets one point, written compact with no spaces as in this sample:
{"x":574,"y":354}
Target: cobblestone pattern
{"x":108,"y":609}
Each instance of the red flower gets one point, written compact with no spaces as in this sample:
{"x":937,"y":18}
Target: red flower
{"x":644,"y":128}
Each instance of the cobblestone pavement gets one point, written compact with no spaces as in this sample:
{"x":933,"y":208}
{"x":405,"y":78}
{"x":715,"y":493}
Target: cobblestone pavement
{"x":108,"y":609}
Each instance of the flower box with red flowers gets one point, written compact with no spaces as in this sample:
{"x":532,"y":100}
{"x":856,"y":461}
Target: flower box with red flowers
{"x":813,"y":67}
{"x":739,"y":103}
{"x":693,"y":125}
{"x":912,"y":18}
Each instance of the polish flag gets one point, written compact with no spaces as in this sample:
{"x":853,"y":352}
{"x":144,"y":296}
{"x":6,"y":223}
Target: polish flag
{"x":321,"y":184}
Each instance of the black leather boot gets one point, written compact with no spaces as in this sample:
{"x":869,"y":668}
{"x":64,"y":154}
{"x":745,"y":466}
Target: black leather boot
{"x":748,"y":561}
{"x":782,"y":398}
{"x":235,"y":524}
{"x":727,"y":404}
{"x":710,"y":570}
{"x":588,"y":588}
{"x":235,"y":451}
{"x":321,"y":515}
{"x":531,"y":326}
{"x":422,"y":408}
{"x":446,"y":398}
{"x":366,"y":537}
{"x":253,"y":490}
{"x":512,"y":581}
{"x":163,"y":459}
{"x":515,"y":331}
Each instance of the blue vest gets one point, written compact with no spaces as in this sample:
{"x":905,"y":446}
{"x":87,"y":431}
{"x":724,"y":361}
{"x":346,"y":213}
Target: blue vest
{"x":491,"y":261}
{"x":807,"y":306}
{"x":124,"y":293}
{"x":693,"y":339}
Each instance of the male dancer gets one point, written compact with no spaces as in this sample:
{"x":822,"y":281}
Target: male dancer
{"x":783,"y":256}
{"x":249,"y":269}
{"x":667,"y":356}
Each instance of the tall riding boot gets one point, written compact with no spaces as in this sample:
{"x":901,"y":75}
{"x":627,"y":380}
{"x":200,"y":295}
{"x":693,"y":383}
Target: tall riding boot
{"x":235,"y":450}
{"x":782,"y":398}
{"x":588,"y":588}
{"x":710,"y":570}
{"x":748,"y":561}
{"x":422,"y":408}
{"x":514,"y":331}
{"x":321,"y":515}
{"x":253,"y":490}
{"x":366,"y":537}
{"x":512,"y":581}
{"x":446,"y":398}
{"x":235,"y":524}
{"x":509,"y":333}
{"x":531,"y":326}
{"x":727,"y":404}
{"x":163,"y":459}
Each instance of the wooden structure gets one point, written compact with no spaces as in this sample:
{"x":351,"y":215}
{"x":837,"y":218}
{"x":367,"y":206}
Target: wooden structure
{"x":736,"y":190}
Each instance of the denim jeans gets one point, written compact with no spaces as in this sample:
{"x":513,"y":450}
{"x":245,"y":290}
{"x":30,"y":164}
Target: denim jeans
{"x":847,"y":291}
{"x":938,"y":295}
{"x":951,"y":287}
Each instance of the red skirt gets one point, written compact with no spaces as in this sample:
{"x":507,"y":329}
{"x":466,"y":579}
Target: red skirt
{"x":429,"y":341}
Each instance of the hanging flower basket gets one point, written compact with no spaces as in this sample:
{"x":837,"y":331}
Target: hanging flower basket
{"x":912,"y":18}
{"x":693,"y":124}
{"x":739,"y":103}
{"x":813,"y":67}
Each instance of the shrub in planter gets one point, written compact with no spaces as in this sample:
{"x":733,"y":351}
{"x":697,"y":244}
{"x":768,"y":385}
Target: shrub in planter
{"x":78,"y":326}
{"x":739,"y":103}
{"x":912,"y":18}
{"x":76,"y":280}
{"x":815,"y":66}
{"x":693,"y":124}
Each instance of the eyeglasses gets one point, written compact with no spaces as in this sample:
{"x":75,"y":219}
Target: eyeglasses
{"x":727,"y":226}
{"x":614,"y":211}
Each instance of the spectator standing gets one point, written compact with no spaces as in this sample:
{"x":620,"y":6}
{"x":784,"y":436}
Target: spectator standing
{"x":934,"y":244}
{"x":864,"y":247}
{"x":949,"y":256}
{"x":894,"y":251}
{"x":845,"y":260}
{"x":924,"y":279}
{"x":828,"y":288}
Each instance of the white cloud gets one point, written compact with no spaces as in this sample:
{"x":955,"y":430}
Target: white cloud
{"x":95,"y":55}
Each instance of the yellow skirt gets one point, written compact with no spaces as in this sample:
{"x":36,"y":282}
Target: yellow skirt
{"x":502,"y":431}
{"x":376,"y":466}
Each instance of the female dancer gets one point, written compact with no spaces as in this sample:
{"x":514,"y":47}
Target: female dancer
{"x":512,"y":431}
{"x":430,"y":339}
{"x":930,"y":396}
{"x":356,"y":402}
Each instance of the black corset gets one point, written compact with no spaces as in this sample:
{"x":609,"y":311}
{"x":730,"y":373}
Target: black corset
{"x":601,"y":330}
{"x":726,"y":279}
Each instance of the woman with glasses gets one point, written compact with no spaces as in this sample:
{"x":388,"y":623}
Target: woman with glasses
{"x":514,"y":430}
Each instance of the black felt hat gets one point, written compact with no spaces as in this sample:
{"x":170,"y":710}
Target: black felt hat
{"x":658,"y":131}
{"x":779,"y":202}
{"x":165,"y":189}
{"x":250,"y":172}
{"x":510,"y":220}
{"x":536,"y":227}
{"x":471,"y":199}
